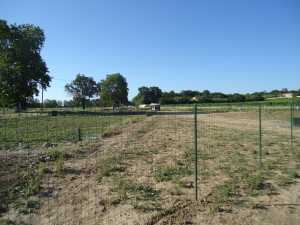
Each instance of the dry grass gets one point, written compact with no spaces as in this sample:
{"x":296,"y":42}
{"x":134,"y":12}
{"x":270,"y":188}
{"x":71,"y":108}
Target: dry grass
{"x":143,"y":174}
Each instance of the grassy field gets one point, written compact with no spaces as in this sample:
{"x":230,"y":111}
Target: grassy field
{"x":37,"y":128}
{"x":142,"y":172}
{"x":268,"y":102}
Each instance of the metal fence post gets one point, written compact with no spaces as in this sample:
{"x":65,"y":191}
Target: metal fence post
{"x":47,"y":129}
{"x":196,"y":150}
{"x":292,"y":123}
{"x":5,"y":128}
{"x":79,"y":133}
{"x":260,"y":135}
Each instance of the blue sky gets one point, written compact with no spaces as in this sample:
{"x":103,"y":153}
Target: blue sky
{"x":220,"y":45}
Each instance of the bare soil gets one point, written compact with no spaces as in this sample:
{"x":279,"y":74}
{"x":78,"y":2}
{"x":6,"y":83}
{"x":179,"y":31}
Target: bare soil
{"x":143,"y":186}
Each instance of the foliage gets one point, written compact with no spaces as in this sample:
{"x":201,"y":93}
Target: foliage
{"x":22,"y":69}
{"x":189,"y":97}
{"x":114,"y":90}
{"x":206,"y":97}
{"x":81,"y":88}
{"x":52,"y":103}
{"x":148,"y":95}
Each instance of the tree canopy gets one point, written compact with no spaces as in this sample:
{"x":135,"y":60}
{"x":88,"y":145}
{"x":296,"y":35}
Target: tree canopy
{"x":188,"y":96}
{"x":113,"y":90}
{"x":82,"y":87}
{"x":22,"y":69}
{"x":148,"y":95}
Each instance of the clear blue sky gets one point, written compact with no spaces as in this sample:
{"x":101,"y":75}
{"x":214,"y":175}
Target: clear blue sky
{"x":220,"y":45}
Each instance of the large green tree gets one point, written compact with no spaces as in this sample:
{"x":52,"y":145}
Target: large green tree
{"x":148,"y":95}
{"x":22,"y":70}
{"x":114,"y":90}
{"x":81,"y":88}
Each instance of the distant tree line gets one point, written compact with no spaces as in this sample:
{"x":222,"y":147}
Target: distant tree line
{"x":86,"y":92}
{"x":24,"y":75}
{"x":188,"y":97}
{"x":113,"y":91}
{"x":148,"y":95}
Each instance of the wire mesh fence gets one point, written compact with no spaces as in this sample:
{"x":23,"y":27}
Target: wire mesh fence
{"x":248,"y":153}
{"x":149,"y":168}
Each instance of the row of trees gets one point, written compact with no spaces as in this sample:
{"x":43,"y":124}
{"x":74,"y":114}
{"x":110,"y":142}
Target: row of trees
{"x":113,"y":90}
{"x":187,"y":96}
{"x":53,"y":103}
{"x":148,"y":95}
{"x":23,"y":74}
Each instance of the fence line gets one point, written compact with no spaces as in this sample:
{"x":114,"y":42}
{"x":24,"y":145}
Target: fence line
{"x":75,"y":168}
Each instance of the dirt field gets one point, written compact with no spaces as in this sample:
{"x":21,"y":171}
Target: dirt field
{"x":143,"y":173}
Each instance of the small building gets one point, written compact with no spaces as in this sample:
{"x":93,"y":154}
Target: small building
{"x":195,"y":99}
{"x":155,"y":106}
{"x":287,"y":95}
{"x":144,"y":106}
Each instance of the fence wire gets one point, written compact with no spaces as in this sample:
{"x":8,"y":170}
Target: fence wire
{"x":143,"y":168}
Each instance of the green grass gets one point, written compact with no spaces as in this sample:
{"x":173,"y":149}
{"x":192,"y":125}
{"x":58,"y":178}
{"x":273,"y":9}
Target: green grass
{"x":168,"y":173}
{"x":108,"y":166}
{"x":141,"y":196}
{"x":293,"y":173}
{"x":267,"y":102}
{"x":39,"y":129}
{"x":6,"y":222}
{"x":225,"y":192}
{"x":255,"y":182}
{"x":128,"y":189}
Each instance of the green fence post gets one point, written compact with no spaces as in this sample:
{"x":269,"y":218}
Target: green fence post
{"x":292,"y":123}
{"x":260,"y":134}
{"x":79,"y":133}
{"x":196,"y":150}
{"x":5,"y":128}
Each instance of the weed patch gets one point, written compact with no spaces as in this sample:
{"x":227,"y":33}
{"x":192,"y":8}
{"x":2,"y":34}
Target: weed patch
{"x":225,"y":192}
{"x":108,"y":166}
{"x":127,"y":190}
{"x":6,"y":222}
{"x":168,"y":173}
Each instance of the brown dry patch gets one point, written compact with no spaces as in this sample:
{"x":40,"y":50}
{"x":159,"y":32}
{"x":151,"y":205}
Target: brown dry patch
{"x":141,"y":185}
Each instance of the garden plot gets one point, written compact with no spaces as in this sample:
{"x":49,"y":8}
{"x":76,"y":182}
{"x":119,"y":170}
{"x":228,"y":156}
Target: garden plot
{"x":143,"y":173}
